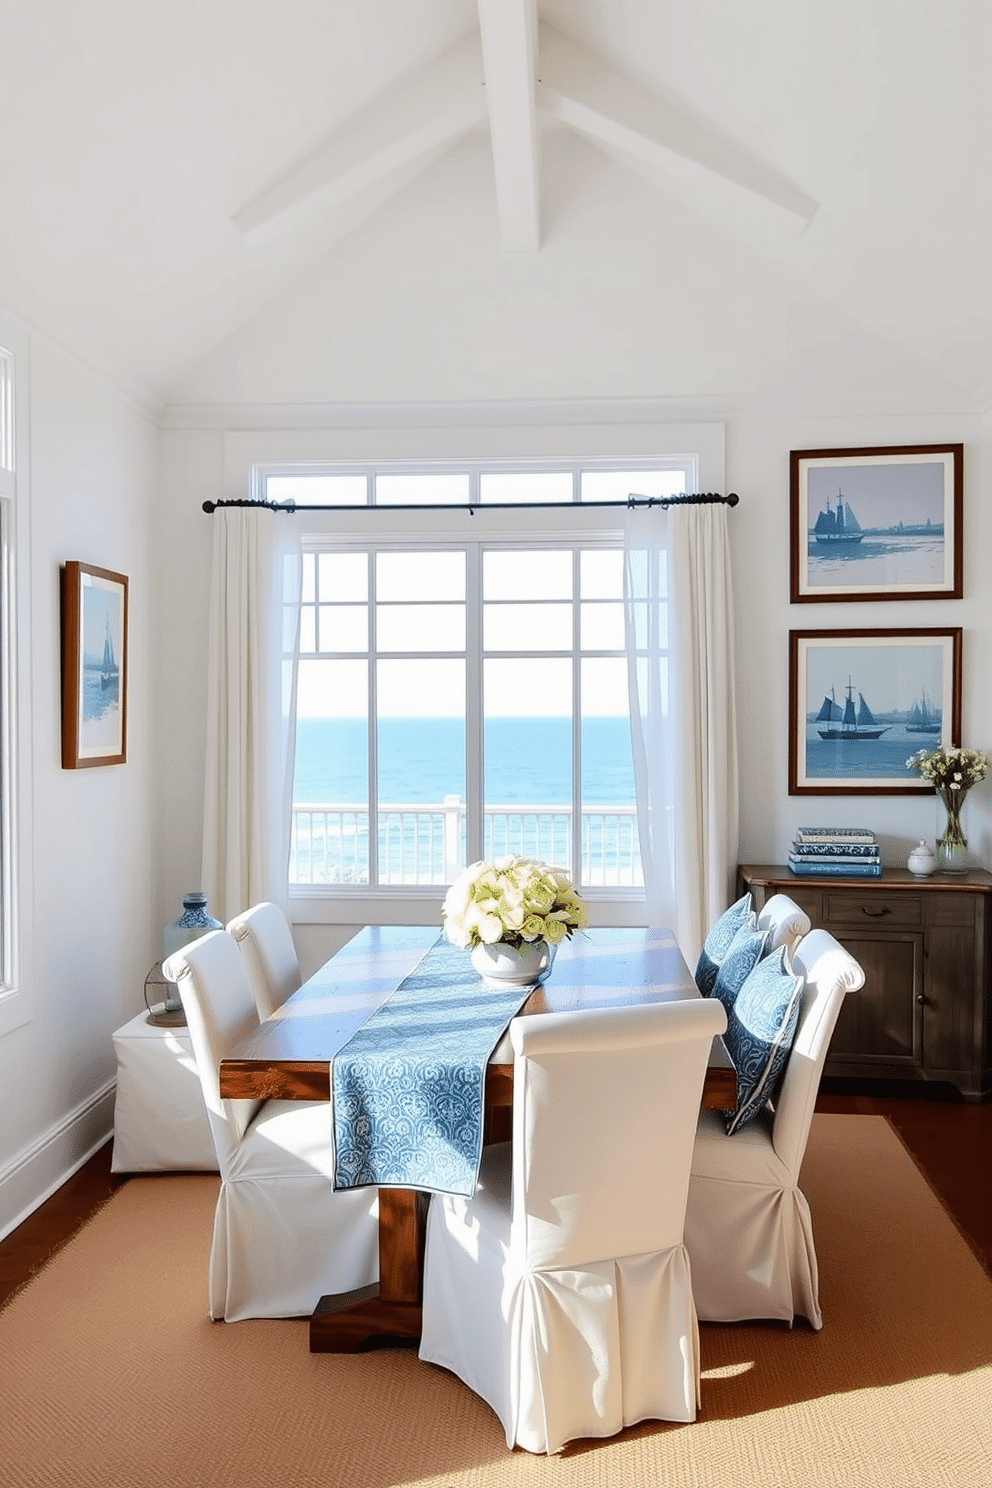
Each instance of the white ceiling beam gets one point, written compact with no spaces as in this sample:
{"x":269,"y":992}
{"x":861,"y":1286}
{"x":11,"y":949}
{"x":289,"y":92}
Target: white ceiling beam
{"x":509,"y":45}
{"x":579,"y":89}
{"x":413,"y":125}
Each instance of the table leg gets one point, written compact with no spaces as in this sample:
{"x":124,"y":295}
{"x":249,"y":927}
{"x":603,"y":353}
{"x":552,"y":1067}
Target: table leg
{"x":389,"y":1310}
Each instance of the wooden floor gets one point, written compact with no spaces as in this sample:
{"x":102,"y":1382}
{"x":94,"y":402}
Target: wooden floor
{"x":950,"y":1141}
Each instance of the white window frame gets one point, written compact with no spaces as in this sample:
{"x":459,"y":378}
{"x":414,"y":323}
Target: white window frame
{"x":16,"y":854}
{"x":474,"y":544}
{"x":251,"y":456}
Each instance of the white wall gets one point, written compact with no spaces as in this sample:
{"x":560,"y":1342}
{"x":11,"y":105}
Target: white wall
{"x":93,"y":474}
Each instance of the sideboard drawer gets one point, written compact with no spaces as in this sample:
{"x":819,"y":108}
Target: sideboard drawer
{"x":952,"y":909}
{"x":853,"y":907}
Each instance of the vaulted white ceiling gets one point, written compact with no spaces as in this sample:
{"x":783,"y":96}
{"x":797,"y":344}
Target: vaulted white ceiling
{"x":170,"y":171}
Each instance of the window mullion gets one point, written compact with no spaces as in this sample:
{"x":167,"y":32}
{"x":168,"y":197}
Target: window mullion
{"x":373,"y":730}
{"x":474,"y":762}
{"x":576,"y":722}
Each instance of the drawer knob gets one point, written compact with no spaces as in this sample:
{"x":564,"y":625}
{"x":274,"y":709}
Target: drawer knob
{"x":875,"y":914}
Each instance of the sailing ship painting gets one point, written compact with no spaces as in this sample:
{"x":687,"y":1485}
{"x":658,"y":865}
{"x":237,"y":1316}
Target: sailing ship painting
{"x":103,"y":665}
{"x":847,"y":724}
{"x":94,"y":665}
{"x":838,"y":528}
{"x":875,"y":523}
{"x":862,"y":702}
{"x":101,"y":670}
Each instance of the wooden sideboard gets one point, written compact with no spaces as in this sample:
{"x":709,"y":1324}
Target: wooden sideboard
{"x":925,"y":1011}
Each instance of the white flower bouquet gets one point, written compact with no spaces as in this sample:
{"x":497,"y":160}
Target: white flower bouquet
{"x":950,"y":768}
{"x":513,"y":901}
{"x":952,"y":772}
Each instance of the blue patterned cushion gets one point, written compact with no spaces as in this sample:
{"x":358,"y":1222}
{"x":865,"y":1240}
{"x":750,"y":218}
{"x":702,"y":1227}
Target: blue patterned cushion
{"x":760,"y":1030}
{"x":717,"y":942}
{"x":746,"y":950}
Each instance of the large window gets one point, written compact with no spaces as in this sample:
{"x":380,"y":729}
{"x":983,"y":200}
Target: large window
{"x":464,"y":696}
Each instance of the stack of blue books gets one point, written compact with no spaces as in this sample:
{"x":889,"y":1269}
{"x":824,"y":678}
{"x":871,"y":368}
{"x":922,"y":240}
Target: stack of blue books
{"x":835,"y":852}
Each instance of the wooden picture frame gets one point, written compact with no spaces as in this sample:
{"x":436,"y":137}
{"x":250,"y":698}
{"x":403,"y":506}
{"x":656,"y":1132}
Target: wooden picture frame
{"x":905,"y":541}
{"x":94,"y":666}
{"x":905,"y":684}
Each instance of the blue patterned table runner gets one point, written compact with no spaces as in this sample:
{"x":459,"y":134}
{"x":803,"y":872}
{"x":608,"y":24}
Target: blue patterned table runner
{"x":409,"y":1086}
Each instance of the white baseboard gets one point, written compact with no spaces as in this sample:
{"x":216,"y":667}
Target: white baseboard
{"x":35,"y":1174}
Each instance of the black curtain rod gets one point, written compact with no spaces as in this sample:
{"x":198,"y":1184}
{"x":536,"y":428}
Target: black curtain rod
{"x":702,"y":498}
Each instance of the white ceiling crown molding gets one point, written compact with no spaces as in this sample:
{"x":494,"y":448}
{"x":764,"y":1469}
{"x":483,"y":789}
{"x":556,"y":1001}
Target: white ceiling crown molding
{"x":416,"y":123}
{"x":509,"y":48}
{"x":579,"y":89}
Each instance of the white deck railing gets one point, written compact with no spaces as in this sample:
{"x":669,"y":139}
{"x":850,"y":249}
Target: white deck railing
{"x":425,"y":844}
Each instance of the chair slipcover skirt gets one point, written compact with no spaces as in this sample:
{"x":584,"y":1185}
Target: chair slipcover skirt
{"x":282,"y":1237}
{"x":762,"y":1220}
{"x":541,"y":1347}
{"x":748,"y":1228}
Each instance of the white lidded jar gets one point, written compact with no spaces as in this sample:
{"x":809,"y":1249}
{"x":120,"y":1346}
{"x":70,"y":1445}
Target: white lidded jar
{"x":922,"y":860}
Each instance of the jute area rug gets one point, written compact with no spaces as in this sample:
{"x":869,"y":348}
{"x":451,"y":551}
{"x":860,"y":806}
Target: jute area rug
{"x":111,"y":1373}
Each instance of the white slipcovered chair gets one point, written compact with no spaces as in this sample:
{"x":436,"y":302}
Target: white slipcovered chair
{"x":560,"y":1292}
{"x":748,"y":1228}
{"x":282,"y":1237}
{"x":785,"y":921}
{"x":266,"y":943}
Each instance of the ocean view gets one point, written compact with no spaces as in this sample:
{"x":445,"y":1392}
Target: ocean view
{"x":528,"y":761}
{"x":528,"y":765}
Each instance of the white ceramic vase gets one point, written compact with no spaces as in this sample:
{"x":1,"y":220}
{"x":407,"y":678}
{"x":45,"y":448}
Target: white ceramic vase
{"x":502,"y":965}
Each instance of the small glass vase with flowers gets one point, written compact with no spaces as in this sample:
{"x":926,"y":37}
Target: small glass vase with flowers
{"x":952,"y":772}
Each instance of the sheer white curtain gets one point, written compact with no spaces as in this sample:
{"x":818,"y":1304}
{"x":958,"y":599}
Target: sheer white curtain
{"x":251,"y":708}
{"x":680,"y":660}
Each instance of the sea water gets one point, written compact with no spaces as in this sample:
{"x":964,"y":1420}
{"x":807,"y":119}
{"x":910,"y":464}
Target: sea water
{"x":880,"y":561}
{"x":528,"y":761}
{"x":865,"y":759}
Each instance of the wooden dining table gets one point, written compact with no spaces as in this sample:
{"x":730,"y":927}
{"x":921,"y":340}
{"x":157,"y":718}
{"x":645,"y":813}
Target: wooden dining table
{"x":291,"y":1054}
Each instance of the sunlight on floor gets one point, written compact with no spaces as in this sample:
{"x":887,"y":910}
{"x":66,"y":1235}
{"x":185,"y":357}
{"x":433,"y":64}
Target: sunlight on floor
{"x":727,"y":1371}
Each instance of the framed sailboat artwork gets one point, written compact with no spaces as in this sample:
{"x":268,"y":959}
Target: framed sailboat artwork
{"x":94,"y":666}
{"x":876,"y":523}
{"x":861,"y":702}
